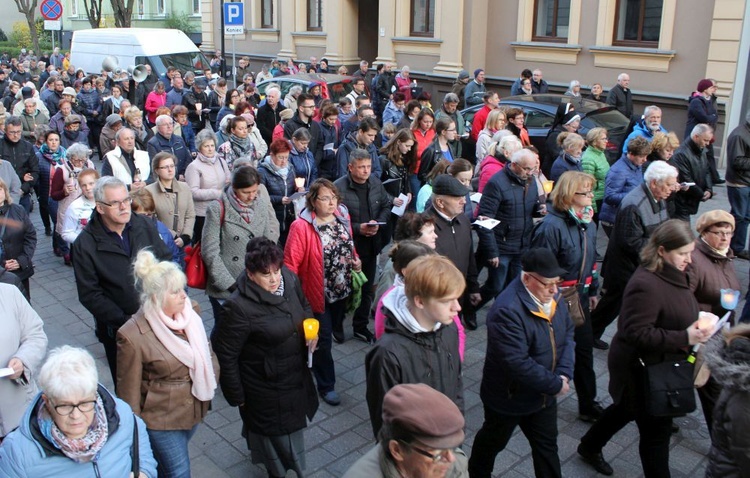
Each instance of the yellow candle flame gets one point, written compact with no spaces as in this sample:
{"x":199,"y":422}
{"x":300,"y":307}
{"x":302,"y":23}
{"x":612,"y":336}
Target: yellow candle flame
{"x":311,"y":327}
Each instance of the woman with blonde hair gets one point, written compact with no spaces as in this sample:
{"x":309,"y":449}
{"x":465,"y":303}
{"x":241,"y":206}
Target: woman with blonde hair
{"x":594,"y":162}
{"x":663,"y":146}
{"x":167,"y":372}
{"x":570,"y":157}
{"x":496,"y":121}
{"x":134,"y":120}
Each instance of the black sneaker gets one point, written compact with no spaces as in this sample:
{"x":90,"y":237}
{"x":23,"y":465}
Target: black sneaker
{"x":470,"y":321}
{"x":592,"y":415}
{"x":596,"y":460}
{"x":365,"y":336}
{"x":338,"y":336}
{"x":600,"y":344}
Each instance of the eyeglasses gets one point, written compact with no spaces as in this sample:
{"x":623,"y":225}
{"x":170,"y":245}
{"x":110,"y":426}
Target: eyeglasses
{"x":545,"y":284}
{"x":83,"y":407}
{"x":722,"y":233}
{"x":307,"y":107}
{"x":328,"y":198}
{"x":449,"y":130}
{"x":585,"y":193}
{"x":440,"y":457}
{"x":12,"y":131}
{"x":118,"y":204}
{"x":171,"y":166}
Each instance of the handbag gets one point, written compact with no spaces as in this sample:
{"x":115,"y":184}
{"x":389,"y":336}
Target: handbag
{"x":668,"y":388}
{"x":195,"y":269}
{"x":573,"y":300}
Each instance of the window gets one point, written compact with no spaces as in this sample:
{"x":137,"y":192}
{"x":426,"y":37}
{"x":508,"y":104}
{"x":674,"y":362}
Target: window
{"x":196,"y":7}
{"x":551,"y":20}
{"x":314,"y":15}
{"x":638,"y":23}
{"x":422,"y":18}
{"x":141,"y":8}
{"x":266,"y":14}
{"x":74,"y":8}
{"x":161,"y":9}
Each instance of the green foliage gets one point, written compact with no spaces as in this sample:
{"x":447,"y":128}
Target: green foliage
{"x":180,"y":22}
{"x":44,"y":35}
{"x":3,"y":36}
{"x":21,"y":35}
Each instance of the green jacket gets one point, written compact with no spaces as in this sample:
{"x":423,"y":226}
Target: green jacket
{"x":595,"y":163}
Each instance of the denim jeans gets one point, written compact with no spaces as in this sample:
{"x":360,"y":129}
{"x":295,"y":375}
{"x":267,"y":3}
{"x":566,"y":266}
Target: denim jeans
{"x":216,"y":306}
{"x":323,"y":365}
{"x":739,"y":200}
{"x":498,"y":277}
{"x":171,"y":451}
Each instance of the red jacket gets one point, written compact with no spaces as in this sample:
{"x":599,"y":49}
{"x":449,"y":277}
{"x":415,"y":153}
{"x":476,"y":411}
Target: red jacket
{"x":477,"y":124}
{"x":423,"y":139}
{"x":303,"y":255}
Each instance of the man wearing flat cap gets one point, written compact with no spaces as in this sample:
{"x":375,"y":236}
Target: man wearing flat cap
{"x":454,"y":239}
{"x":194,"y":97}
{"x":421,"y":435}
{"x":529,"y":363}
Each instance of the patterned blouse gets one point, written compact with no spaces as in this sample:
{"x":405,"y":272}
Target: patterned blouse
{"x":337,"y":260}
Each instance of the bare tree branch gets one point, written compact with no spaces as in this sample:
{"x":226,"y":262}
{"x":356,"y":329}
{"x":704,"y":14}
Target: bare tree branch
{"x":28,"y":8}
{"x":123,"y":10}
{"x":94,"y":12}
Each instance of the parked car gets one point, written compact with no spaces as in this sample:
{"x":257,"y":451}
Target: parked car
{"x":540,"y":114}
{"x":332,"y":86}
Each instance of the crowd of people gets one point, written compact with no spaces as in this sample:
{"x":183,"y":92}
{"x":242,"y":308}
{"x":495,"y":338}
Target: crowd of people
{"x":293,"y":202}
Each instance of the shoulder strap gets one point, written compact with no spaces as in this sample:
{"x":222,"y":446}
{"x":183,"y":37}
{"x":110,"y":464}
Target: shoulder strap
{"x":221,"y":216}
{"x":136,"y":456}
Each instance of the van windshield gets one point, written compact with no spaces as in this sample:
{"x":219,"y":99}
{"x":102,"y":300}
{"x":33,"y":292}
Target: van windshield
{"x":195,"y":62}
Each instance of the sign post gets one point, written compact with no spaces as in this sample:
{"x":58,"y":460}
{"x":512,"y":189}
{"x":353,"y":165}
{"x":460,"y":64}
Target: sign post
{"x":234,"y":24}
{"x":51,"y":11}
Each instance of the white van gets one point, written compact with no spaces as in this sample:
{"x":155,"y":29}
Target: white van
{"x":158,"y":47}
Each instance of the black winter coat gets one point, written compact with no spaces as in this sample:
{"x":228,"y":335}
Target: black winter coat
{"x":692,"y":166}
{"x":700,"y":110}
{"x":430,"y":157}
{"x":18,"y":243}
{"x":267,"y":119}
{"x":345,"y":150}
{"x":380,"y":210}
{"x":738,"y":155}
{"x":621,"y":99}
{"x":455,"y":242}
{"x":316,"y":138}
{"x":327,"y":168}
{"x":513,"y":202}
{"x":278,"y":188}
{"x":260,"y":345}
{"x":23,"y":158}
{"x":104,"y":271}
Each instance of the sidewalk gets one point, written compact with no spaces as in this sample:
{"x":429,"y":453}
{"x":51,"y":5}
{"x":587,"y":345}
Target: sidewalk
{"x":338,"y":436}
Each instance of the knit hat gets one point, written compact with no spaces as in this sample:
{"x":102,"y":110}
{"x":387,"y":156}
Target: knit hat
{"x":428,"y":415}
{"x":463,"y":74}
{"x":478,"y":71}
{"x":704,"y":84}
{"x":708,"y":219}
{"x":286,"y":114}
{"x":113,"y":119}
{"x":69,"y":90}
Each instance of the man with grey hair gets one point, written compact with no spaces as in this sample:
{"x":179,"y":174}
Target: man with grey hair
{"x":362,"y":72}
{"x":450,"y":109}
{"x":20,"y":154}
{"x":130,"y":165}
{"x":692,"y":166}
{"x":646,"y":127}
{"x":103,"y":256}
{"x":290,"y":100}
{"x":738,"y":185}
{"x":511,"y":197}
{"x":641,"y":211}
{"x":166,"y":140}
{"x":268,"y":114}
{"x":620,"y":96}
{"x":538,"y":85}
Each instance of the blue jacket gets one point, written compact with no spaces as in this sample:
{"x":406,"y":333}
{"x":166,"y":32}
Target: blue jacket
{"x":331,"y":135}
{"x":623,"y":177}
{"x":526,"y":353}
{"x":642,"y":130}
{"x":174,"y":97}
{"x":564,"y":163}
{"x":175,"y":145}
{"x":26,"y":453}
{"x":166,"y":237}
{"x":304,"y":165}
{"x":278,"y":189}
{"x":513,"y":202}
{"x":345,"y":150}
{"x":91,"y":104}
{"x":391,"y":114}
{"x":188,"y":136}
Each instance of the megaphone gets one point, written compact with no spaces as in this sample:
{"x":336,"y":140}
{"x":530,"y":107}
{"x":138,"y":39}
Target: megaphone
{"x":110,"y":63}
{"x":138,"y":72}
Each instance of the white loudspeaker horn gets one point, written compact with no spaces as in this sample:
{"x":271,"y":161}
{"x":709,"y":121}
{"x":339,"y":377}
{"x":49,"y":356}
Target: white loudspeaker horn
{"x":110,"y":63}
{"x":138,"y":72}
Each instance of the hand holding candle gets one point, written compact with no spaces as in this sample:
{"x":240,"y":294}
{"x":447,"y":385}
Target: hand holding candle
{"x":300,"y":184}
{"x":547,"y":186}
{"x":311,"y":327}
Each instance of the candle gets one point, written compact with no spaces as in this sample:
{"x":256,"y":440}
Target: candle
{"x":311,"y":327}
{"x":198,"y":107}
{"x":299,"y":182}
{"x":707,"y":320}
{"x":547,"y":186}
{"x":729,"y":298}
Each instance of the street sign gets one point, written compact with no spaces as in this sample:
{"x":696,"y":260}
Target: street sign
{"x":53,"y":25}
{"x":234,"y":18}
{"x":51,"y":9}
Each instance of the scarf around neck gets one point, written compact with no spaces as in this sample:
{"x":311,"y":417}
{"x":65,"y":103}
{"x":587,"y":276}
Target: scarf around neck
{"x":246,"y":211}
{"x":583,"y":217}
{"x":241,"y":146}
{"x":193,"y":352}
{"x":206,"y":159}
{"x":80,"y":450}
{"x":55,"y":158}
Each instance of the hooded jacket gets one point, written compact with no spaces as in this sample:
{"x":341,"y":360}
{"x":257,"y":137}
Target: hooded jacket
{"x":406,"y":353}
{"x":641,"y":130}
{"x":278,"y":187}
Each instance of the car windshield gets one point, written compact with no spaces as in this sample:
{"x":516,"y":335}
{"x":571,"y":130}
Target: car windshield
{"x":610,"y":119}
{"x":194,"y":62}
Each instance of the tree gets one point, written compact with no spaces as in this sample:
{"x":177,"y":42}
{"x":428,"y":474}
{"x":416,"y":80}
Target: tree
{"x":123,"y":10}
{"x":28,"y":8}
{"x":94,"y":12}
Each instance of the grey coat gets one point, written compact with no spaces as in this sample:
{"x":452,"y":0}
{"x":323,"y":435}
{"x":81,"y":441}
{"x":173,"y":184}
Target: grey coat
{"x":23,"y":337}
{"x":224,"y":246}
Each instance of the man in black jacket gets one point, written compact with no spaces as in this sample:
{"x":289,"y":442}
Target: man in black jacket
{"x":194,"y":97}
{"x":385,"y":85}
{"x":454,"y":239}
{"x":738,"y":185}
{"x":20,"y":153}
{"x":620,"y":96}
{"x":268,"y":114}
{"x":369,"y":208}
{"x":303,"y":118}
{"x":103,"y":256}
{"x":692,"y":166}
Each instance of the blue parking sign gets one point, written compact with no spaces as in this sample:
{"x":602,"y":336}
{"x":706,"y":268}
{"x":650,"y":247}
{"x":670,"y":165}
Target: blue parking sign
{"x":234,"y":18}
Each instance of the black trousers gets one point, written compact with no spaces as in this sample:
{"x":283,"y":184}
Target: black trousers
{"x":584,"y":376}
{"x":107,"y":337}
{"x":323,"y":365}
{"x":655,"y":433}
{"x":607,"y":309}
{"x":540,"y":428}
{"x":362,"y":315}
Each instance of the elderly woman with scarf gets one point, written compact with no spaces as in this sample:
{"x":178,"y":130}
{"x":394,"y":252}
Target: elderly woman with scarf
{"x":167,"y":372}
{"x":113,"y":103}
{"x":278,"y":175}
{"x":134,"y":119}
{"x":238,"y":147}
{"x":50,"y":155}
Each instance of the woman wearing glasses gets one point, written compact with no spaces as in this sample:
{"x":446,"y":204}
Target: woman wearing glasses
{"x":173,"y":199}
{"x":567,"y":231}
{"x":320,"y":250}
{"x":75,"y":427}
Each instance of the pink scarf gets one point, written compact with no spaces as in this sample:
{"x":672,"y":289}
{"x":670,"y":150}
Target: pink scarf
{"x":193,"y":353}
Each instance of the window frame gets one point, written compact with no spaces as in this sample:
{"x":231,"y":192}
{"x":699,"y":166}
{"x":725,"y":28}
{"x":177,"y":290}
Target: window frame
{"x":161,"y":7}
{"x":319,"y":26}
{"x":263,"y":5}
{"x":429,"y":6}
{"x":543,"y":38}
{"x":641,"y":21}
{"x":196,"y":7}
